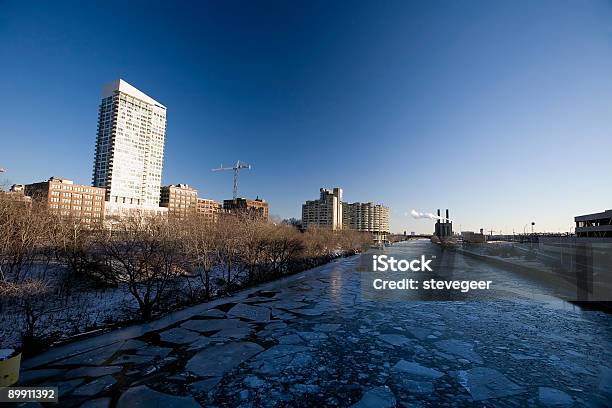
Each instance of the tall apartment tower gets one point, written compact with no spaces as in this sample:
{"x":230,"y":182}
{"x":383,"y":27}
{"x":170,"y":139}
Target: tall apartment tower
{"x":129,"y":146}
{"x":326,"y":212}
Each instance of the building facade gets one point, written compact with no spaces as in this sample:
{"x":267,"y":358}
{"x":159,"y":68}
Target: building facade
{"x":597,"y":225}
{"x":17,"y":193}
{"x":209,"y":209}
{"x":68,"y":199}
{"x":257,"y":208}
{"x":129,"y":146}
{"x":367,"y":217}
{"x":444,"y":226}
{"x":326,"y":212}
{"x":180,"y":199}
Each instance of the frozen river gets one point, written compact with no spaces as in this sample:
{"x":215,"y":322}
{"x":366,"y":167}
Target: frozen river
{"x":321,"y":339}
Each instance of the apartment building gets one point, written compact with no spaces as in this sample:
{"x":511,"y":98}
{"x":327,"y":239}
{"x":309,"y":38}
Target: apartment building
{"x":326,"y":212}
{"x":129,"y":147}
{"x":180,"y":199}
{"x":257,"y":208}
{"x":68,"y":199}
{"x":209,"y":209}
{"x":367,"y":217}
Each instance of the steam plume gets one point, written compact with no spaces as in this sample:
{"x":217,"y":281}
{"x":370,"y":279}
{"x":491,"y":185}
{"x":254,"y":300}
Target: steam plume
{"x":418,"y":215}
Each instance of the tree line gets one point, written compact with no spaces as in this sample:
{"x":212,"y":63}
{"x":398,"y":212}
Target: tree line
{"x":163,"y":262}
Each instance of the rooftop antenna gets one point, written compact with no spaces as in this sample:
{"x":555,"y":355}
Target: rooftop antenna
{"x":237,"y":167}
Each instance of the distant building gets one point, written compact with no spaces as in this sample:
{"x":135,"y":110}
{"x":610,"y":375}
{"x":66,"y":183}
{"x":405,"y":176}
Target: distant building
{"x":598,"y":225}
{"x":473,"y":237}
{"x":68,"y":199}
{"x":180,"y":199}
{"x":129,"y":147}
{"x":257,"y":208}
{"x":209,"y":209}
{"x":326,"y":212}
{"x":17,"y":188}
{"x":17,"y":193}
{"x":367,"y":217}
{"x":114,"y":211}
{"x":443,"y":227}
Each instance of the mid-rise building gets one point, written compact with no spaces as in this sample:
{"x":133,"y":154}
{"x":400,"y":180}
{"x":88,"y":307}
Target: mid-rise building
{"x":17,"y":188}
{"x":68,"y":199}
{"x":17,"y":193}
{"x":257,"y":208}
{"x":597,"y":225}
{"x":129,"y":146}
{"x":367,"y":217}
{"x":326,"y":212}
{"x":209,"y":209}
{"x":472,"y":237}
{"x":180,"y":199}
{"x":114,"y":212}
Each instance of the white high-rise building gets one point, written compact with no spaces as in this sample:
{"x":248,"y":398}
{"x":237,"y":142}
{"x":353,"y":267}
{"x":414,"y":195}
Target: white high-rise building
{"x":129,"y":146}
{"x":326,"y":212}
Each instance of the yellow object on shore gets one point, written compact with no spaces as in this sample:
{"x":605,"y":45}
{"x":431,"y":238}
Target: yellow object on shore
{"x":9,"y":371}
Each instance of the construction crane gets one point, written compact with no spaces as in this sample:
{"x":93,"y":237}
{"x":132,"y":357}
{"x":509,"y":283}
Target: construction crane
{"x":237,"y":167}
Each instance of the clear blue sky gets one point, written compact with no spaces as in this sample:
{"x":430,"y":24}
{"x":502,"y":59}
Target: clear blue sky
{"x":498,"y":110}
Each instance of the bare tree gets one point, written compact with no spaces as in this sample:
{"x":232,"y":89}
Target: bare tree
{"x":73,"y":243}
{"x":22,"y":230}
{"x":229,"y":243}
{"x":200,"y":244}
{"x":282,"y":246}
{"x":143,"y":253}
{"x":253,"y":233}
{"x":33,"y":299}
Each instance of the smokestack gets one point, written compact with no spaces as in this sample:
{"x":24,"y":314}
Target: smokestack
{"x":447,"y":219}
{"x":437,"y":222}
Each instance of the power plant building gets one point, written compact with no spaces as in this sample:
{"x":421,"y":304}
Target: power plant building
{"x":444,"y":226}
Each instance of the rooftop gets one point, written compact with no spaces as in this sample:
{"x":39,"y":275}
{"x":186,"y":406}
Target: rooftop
{"x":122,"y":86}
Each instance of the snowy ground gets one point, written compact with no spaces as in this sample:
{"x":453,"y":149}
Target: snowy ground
{"x":314,"y":339}
{"x":83,"y":311}
{"x":80,"y":312}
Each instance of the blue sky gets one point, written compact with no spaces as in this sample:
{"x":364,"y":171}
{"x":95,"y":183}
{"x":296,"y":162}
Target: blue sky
{"x":500,"y":111}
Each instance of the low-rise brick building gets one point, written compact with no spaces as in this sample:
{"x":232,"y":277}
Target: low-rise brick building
{"x":257,"y":208}
{"x":68,"y":199}
{"x":209,"y":209}
{"x":180,"y":199}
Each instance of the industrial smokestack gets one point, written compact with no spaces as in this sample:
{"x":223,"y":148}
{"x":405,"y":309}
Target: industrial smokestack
{"x":437,"y":222}
{"x":447,"y":219}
